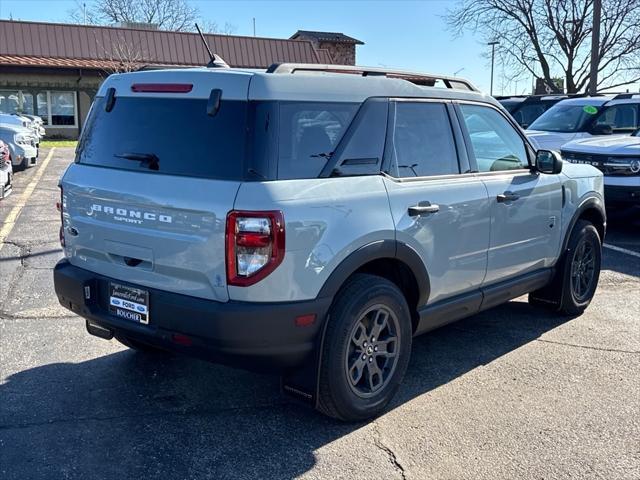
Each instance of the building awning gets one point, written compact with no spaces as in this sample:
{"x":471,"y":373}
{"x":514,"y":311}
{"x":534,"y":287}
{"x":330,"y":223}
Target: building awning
{"x":21,"y":61}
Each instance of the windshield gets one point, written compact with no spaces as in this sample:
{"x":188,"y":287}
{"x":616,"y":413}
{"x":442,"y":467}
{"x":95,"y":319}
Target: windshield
{"x":565,"y":118}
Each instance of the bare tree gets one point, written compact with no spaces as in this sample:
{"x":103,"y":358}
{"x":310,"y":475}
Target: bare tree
{"x":209,"y":26}
{"x":548,"y":38}
{"x":121,"y":55}
{"x":177,"y":15}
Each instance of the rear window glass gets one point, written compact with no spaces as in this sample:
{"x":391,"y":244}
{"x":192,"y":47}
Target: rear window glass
{"x":177,"y":133}
{"x":309,"y":132}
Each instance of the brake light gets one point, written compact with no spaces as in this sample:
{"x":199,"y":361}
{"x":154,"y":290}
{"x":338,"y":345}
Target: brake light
{"x":162,"y":87}
{"x":254,"y":245}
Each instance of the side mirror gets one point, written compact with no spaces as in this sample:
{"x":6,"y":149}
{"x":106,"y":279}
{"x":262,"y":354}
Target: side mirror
{"x":548,"y":162}
{"x":601,"y":129}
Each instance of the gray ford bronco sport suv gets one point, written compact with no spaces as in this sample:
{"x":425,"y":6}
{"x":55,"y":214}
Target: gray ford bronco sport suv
{"x":313,"y":220}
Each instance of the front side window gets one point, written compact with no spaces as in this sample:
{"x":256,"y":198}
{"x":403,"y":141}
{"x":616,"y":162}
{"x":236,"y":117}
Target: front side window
{"x":621,"y":118}
{"x":423,"y":143}
{"x":496,"y":144}
{"x":565,"y":118}
{"x":309,"y":133}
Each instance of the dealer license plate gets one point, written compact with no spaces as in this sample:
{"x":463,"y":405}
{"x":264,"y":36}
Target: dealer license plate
{"x":129,"y":303}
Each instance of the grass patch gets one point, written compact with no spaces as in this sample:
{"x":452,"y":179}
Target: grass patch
{"x":58,"y":143}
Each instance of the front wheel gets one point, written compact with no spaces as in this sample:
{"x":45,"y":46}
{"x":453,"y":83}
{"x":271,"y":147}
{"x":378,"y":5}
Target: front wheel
{"x":366,"y":349}
{"x":578,"y":271}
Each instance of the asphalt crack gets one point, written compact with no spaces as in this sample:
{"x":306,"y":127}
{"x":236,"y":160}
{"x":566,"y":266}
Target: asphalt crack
{"x":588,"y":347}
{"x":377,"y":440}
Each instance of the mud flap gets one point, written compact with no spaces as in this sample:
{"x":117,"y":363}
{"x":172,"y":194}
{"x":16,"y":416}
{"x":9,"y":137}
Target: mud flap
{"x":303,"y":382}
{"x":550,"y":296}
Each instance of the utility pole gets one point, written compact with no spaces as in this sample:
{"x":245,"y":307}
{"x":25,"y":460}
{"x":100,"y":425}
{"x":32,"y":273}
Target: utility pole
{"x":254,"y":26}
{"x":595,"y":47}
{"x":493,"y":56}
{"x":84,"y":10}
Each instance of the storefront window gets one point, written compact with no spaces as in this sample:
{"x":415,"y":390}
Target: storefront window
{"x":63,"y":108}
{"x":43,"y":107}
{"x":16,"y":101}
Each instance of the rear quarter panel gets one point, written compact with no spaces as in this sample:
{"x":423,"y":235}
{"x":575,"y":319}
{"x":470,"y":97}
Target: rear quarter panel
{"x":326,"y":220}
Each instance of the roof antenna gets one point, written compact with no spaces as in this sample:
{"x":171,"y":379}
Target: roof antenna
{"x":216,"y":60}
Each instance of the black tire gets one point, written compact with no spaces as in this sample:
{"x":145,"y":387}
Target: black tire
{"x":364,"y":300}
{"x":138,"y":346}
{"x":571,"y":292}
{"x":22,"y":166}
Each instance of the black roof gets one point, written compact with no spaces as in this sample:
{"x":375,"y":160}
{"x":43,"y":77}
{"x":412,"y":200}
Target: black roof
{"x":327,"y":37}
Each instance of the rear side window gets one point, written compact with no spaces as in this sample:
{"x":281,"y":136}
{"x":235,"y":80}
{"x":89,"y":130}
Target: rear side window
{"x":176,"y":132}
{"x":309,"y":132}
{"x":423,"y":143}
{"x":621,"y":118}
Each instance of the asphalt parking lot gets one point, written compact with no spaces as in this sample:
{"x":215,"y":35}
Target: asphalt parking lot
{"x":514,"y":392}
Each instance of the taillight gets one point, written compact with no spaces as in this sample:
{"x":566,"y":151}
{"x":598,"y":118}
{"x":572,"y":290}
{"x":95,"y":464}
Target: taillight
{"x":255,"y":245}
{"x":60,"y":207}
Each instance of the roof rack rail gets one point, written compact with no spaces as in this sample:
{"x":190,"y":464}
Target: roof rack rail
{"x":544,"y":96}
{"x":625,"y":96}
{"x":423,"y":79}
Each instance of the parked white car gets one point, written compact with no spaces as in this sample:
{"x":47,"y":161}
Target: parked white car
{"x":22,"y":145}
{"x":585,"y":117}
{"x":619,"y":160}
{"x":6,"y":170}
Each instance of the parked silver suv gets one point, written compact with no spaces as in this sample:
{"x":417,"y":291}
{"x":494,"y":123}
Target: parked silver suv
{"x":314,"y":219}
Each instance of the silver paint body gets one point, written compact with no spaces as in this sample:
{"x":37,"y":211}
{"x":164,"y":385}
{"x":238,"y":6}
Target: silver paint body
{"x":471,"y":241}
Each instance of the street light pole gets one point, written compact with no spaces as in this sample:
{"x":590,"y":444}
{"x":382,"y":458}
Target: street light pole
{"x":493,"y":55}
{"x":595,"y":47}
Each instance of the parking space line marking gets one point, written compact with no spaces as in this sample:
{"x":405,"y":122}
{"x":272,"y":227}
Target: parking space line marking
{"x":12,"y":218}
{"x":622,"y":250}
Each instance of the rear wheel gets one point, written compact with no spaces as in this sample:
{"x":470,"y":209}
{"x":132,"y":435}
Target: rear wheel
{"x":138,"y":346}
{"x":366,"y":349}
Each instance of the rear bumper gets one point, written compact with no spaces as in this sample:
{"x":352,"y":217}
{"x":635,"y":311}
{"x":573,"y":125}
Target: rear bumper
{"x":251,"y":335}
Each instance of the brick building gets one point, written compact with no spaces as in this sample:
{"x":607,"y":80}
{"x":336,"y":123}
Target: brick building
{"x":340,"y":47}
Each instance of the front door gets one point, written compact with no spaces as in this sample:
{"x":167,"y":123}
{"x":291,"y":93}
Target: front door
{"x":525,"y":205}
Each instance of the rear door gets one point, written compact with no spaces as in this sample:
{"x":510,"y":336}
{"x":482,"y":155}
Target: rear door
{"x":439,"y":208}
{"x":154,"y":178}
{"x":525,"y":206}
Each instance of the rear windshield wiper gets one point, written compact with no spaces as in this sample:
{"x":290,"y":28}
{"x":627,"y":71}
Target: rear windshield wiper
{"x":150,"y":159}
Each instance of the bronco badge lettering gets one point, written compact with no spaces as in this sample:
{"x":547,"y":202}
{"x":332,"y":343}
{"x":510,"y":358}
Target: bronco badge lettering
{"x":130,"y":216}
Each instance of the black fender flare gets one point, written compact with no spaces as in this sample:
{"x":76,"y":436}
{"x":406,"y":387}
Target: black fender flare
{"x":590,"y":203}
{"x":392,"y":249}
{"x":303,"y":382}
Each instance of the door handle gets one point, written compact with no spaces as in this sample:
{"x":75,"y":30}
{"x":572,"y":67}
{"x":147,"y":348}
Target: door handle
{"x":423,"y":208}
{"x":507,"y":197}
